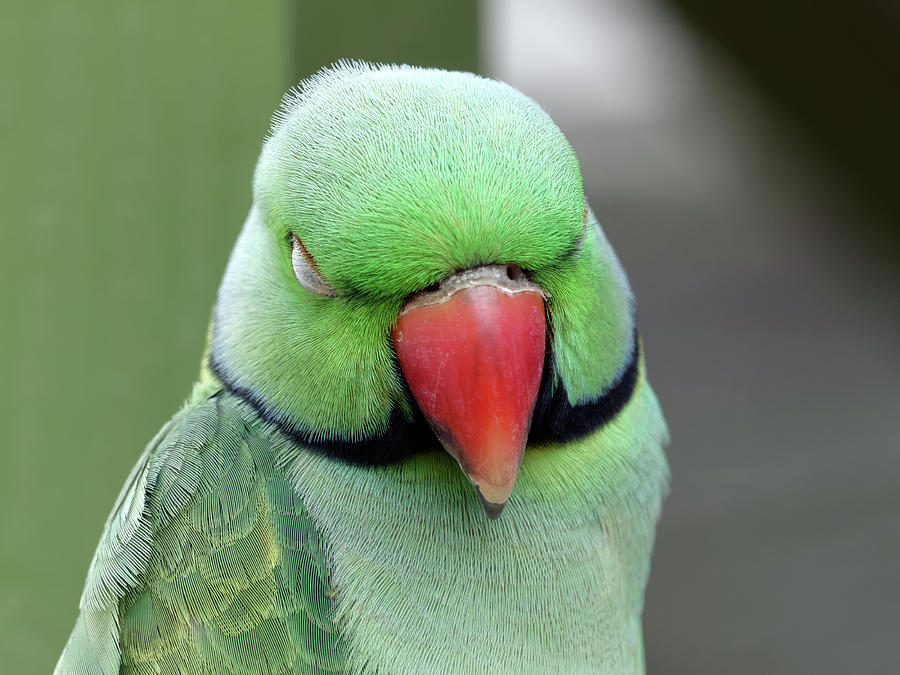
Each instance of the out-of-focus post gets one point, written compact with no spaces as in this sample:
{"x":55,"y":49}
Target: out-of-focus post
{"x":441,"y":33}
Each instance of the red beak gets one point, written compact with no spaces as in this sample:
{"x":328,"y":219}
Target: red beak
{"x":473,"y":353}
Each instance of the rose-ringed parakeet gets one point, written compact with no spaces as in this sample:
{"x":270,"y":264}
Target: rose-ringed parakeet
{"x":421,"y":324}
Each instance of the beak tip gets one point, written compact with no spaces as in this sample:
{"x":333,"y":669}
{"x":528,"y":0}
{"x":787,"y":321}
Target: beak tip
{"x":491,"y":509}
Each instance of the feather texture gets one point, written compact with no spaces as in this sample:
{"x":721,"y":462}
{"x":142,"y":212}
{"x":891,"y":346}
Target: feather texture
{"x":555,"y":585}
{"x":209,"y":562}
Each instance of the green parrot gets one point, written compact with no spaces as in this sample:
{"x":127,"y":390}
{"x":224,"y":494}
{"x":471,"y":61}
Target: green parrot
{"x":421,"y":325}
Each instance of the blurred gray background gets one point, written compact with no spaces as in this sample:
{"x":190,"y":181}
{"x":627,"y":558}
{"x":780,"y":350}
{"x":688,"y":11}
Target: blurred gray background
{"x":741,"y":159}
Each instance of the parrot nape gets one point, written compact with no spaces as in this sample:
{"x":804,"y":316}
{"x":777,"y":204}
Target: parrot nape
{"x":420,"y":312}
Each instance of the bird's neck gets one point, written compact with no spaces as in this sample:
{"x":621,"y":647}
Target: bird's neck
{"x":555,"y":583}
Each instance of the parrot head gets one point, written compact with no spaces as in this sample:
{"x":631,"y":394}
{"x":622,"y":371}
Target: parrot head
{"x":419,"y":269}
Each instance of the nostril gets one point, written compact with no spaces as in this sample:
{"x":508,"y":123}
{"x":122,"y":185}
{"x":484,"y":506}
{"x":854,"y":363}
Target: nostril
{"x":430,"y":288}
{"x":515,"y":272}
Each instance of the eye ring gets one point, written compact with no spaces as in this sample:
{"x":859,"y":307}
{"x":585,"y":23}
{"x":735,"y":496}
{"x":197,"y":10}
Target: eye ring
{"x":305,"y":270}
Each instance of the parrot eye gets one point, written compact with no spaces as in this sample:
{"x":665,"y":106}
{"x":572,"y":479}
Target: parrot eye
{"x":306,"y":271}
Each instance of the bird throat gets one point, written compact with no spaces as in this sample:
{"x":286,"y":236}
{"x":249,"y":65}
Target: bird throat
{"x":555,"y":420}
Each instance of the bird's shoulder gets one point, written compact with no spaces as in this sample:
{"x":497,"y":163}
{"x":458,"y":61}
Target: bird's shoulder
{"x":208,"y":562}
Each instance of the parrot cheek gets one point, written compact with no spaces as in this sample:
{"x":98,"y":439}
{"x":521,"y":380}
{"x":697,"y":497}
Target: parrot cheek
{"x":472,"y":353}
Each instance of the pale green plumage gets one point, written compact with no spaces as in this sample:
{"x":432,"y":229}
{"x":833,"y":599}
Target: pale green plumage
{"x":553,"y":586}
{"x":234,"y":549}
{"x":209,"y":562}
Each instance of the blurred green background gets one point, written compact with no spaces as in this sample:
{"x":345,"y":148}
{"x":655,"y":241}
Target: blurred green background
{"x":742,"y":163}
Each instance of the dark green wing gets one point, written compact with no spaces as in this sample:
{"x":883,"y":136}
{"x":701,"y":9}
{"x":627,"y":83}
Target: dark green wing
{"x":209,"y":563}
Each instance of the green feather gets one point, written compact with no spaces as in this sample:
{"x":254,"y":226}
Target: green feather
{"x":195,"y":572}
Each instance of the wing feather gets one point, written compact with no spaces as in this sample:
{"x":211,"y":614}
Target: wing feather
{"x":209,"y":562}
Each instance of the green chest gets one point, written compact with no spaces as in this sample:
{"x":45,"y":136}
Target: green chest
{"x":425,"y":583}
